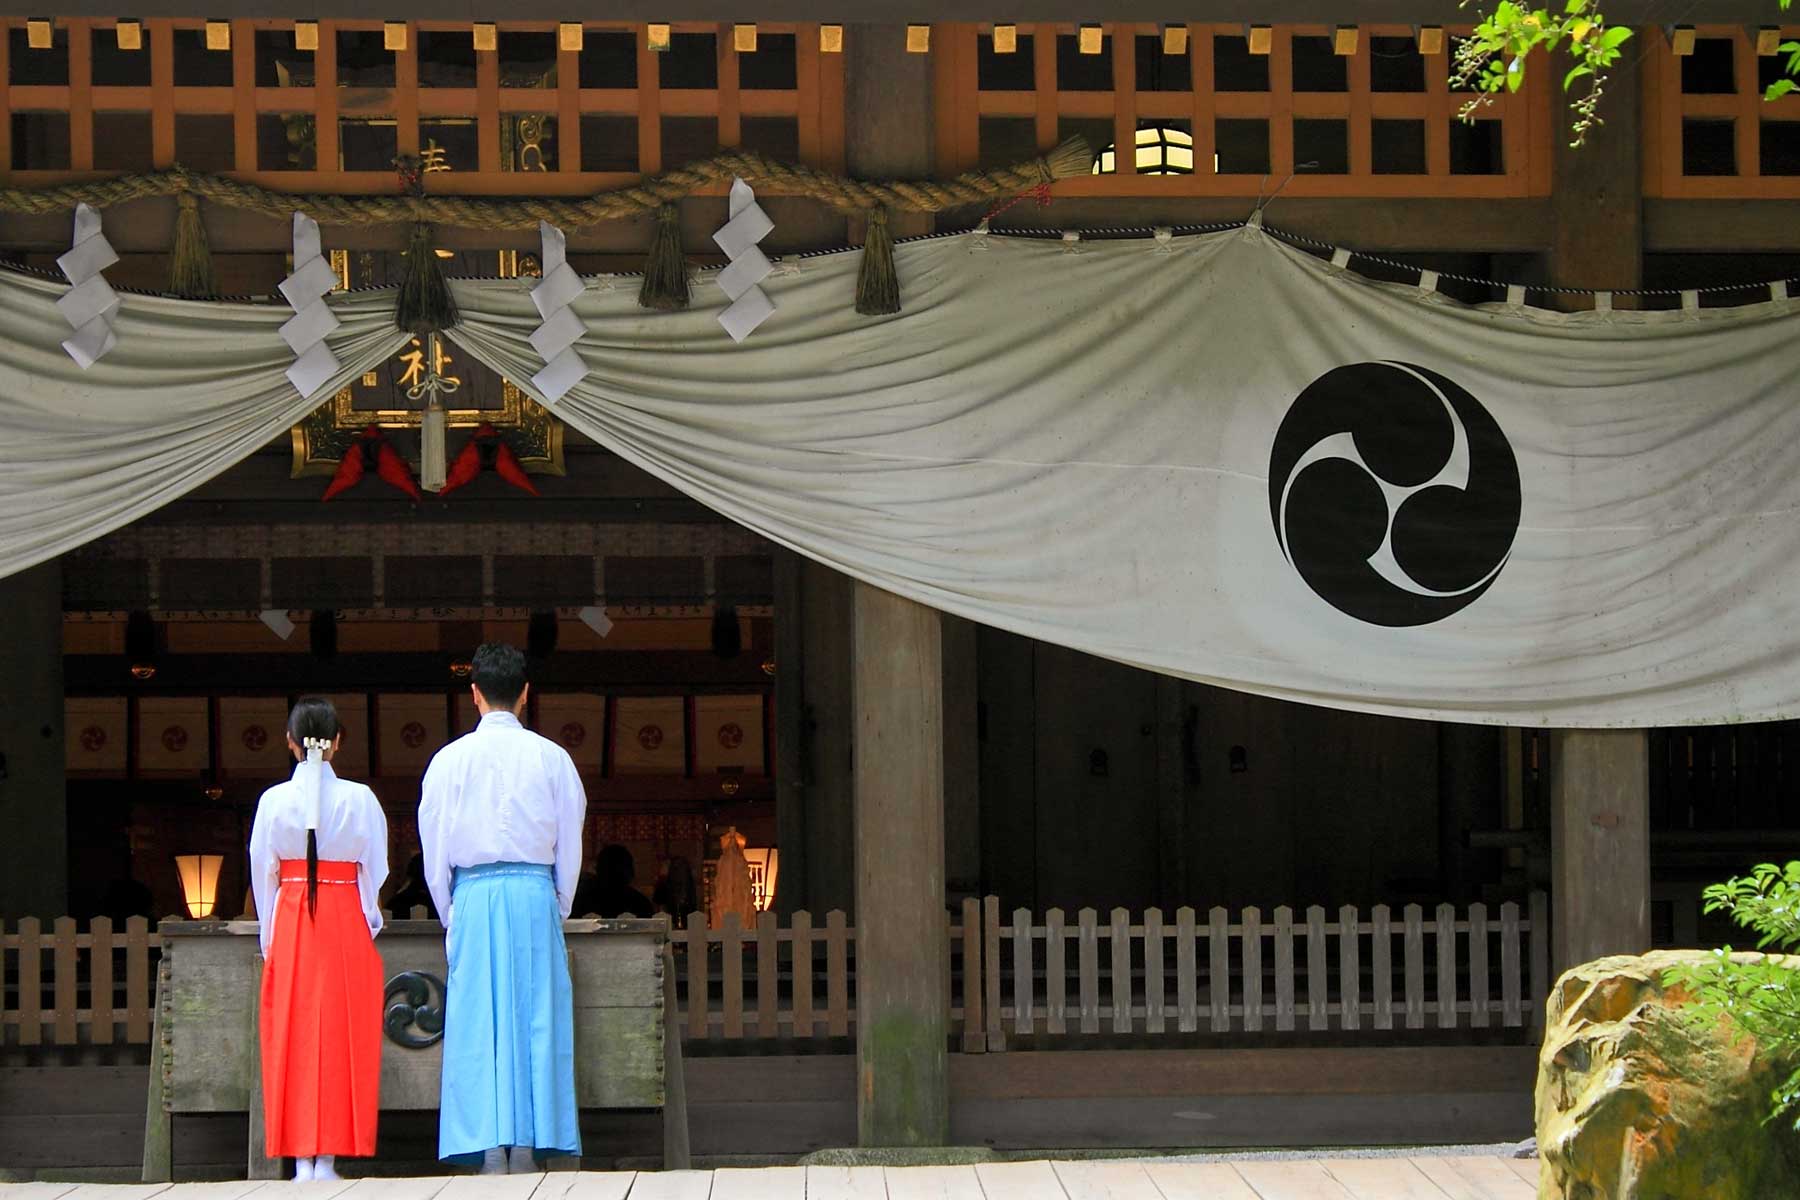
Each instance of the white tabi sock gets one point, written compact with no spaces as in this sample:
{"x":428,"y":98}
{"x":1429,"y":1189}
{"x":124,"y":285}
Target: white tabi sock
{"x":325,"y":1168}
{"x":493,"y":1162}
{"x":519,"y":1158}
{"x":303,"y":1170}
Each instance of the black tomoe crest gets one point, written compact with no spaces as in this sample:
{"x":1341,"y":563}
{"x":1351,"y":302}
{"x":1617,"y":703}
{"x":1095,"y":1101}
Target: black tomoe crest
{"x":1394,"y":493}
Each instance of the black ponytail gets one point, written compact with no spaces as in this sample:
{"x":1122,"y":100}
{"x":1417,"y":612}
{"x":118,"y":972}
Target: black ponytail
{"x":313,"y":717}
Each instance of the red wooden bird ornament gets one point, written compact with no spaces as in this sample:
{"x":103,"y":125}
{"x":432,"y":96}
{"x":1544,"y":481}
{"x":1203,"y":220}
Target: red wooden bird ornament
{"x":487,"y":451}
{"x":372,"y":449}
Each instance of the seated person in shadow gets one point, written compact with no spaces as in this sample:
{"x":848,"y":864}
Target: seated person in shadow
{"x":676,"y":892}
{"x":414,"y":892}
{"x":608,"y":891}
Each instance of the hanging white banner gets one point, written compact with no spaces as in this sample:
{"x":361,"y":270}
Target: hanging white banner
{"x":1217,"y":457}
{"x":1221,"y":458}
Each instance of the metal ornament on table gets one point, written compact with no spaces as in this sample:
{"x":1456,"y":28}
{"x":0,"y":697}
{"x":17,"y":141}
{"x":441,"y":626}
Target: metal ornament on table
{"x":410,"y":1018}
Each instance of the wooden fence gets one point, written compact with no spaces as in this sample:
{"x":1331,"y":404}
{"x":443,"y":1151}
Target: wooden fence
{"x":1042,"y":981}
{"x":1250,"y":975}
{"x":99,"y":983}
{"x":1053,"y":981}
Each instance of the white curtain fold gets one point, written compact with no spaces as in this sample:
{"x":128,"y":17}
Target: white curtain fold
{"x":190,"y":389}
{"x":1078,"y":447}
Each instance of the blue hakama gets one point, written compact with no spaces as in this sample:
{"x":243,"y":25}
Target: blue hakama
{"x":509,"y":1022}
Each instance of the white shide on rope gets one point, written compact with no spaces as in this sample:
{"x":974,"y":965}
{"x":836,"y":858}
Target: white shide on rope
{"x":555,"y":338}
{"x":313,"y":321}
{"x":750,"y":306}
{"x":90,"y":303}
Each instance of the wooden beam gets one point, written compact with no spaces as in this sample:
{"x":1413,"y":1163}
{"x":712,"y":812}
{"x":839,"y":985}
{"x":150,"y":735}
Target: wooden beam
{"x":1721,"y":226}
{"x":1301,"y":12}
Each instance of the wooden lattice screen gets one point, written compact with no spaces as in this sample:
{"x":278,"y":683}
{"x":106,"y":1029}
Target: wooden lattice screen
{"x":1709,"y":132}
{"x":328,"y":120}
{"x":1378,"y":122}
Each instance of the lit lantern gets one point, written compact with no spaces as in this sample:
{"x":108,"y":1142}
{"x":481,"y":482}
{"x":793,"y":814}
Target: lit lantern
{"x":763,"y":863}
{"x":1160,"y":151}
{"x":199,"y":882}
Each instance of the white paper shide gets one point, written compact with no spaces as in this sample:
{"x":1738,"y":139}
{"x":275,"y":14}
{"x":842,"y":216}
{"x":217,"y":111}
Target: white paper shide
{"x":313,"y":321}
{"x":90,"y":304}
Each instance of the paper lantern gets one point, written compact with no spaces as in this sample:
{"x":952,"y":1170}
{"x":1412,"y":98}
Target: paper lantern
{"x":199,"y":882}
{"x":763,"y":861}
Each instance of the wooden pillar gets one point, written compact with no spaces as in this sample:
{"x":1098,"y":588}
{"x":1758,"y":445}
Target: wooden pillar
{"x":1597,"y":205}
{"x":34,"y":854}
{"x":1599,"y":779}
{"x":1599,"y":844}
{"x":902,"y":955}
{"x":888,"y":131}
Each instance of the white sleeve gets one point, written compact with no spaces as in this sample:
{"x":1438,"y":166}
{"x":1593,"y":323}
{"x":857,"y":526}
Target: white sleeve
{"x":265,"y":875}
{"x":571,"y":813}
{"x":431,"y":838}
{"x":374,"y":863}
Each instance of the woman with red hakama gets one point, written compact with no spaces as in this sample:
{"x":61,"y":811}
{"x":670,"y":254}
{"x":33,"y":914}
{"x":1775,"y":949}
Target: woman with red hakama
{"x":318,"y":858}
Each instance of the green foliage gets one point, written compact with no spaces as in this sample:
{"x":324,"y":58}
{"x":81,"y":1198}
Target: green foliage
{"x":1761,"y":997}
{"x":1492,"y":59}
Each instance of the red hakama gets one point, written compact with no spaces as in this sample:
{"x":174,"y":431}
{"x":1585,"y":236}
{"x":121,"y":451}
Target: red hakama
{"x":321,"y":1019}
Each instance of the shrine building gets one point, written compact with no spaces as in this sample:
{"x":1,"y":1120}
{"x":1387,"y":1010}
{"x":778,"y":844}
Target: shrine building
{"x":1088,"y":905}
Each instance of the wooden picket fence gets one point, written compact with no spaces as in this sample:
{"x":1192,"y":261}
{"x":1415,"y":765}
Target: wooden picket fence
{"x":1042,"y":981}
{"x":1054,"y":981}
{"x":1246,"y":976}
{"x":101,"y":983}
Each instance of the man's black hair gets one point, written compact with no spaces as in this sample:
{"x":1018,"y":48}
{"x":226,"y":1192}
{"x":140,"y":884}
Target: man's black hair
{"x":499,"y":671}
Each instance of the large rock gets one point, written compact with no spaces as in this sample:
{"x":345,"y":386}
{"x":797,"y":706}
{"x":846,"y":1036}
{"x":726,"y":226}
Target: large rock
{"x":1634,"y":1103}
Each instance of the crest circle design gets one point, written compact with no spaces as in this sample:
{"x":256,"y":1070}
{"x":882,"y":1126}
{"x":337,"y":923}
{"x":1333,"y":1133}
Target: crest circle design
{"x":1394,"y":493}
{"x":413,"y":1009}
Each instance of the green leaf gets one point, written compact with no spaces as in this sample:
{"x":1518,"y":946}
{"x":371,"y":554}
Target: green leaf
{"x":1615,"y":37}
{"x":1575,"y":74}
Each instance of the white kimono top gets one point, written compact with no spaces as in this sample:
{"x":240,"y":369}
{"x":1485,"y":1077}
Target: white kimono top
{"x":352,"y":828}
{"x":501,"y":794}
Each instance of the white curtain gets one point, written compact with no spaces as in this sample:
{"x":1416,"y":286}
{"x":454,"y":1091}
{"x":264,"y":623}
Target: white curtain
{"x":1076,"y":445}
{"x":190,"y":389}
{"x":1487,"y":514}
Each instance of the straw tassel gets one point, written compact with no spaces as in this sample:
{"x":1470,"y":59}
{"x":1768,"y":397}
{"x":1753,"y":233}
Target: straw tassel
{"x":425,"y":305}
{"x":433,"y":457}
{"x":665,"y":270}
{"x":878,"y":283}
{"x":190,"y":259}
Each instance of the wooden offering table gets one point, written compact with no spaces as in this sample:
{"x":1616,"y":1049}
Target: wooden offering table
{"x":205,"y":1055}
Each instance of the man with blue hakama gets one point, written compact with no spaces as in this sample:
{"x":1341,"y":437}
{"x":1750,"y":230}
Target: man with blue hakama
{"x":500,"y":826}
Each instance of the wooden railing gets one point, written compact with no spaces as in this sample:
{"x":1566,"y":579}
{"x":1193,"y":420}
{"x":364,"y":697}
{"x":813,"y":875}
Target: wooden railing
{"x":1043,"y":981}
{"x":1053,"y":980}
{"x":100,"y":984}
{"x":1251,"y":975}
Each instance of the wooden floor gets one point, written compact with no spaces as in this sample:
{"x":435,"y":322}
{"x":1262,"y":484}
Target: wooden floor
{"x":1396,"y":1178}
